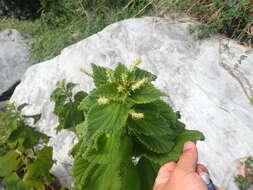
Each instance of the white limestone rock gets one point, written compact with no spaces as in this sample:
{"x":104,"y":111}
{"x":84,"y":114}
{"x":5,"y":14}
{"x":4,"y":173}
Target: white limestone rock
{"x":203,"y":78}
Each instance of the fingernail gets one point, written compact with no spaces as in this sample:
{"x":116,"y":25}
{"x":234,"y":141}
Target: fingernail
{"x":188,"y":145}
{"x":205,"y":177}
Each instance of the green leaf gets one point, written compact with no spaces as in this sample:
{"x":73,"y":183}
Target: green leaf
{"x":81,"y":168}
{"x":130,"y":177}
{"x":147,"y":93}
{"x":187,"y":135}
{"x":106,"y":119}
{"x":13,"y":182}
{"x":151,"y":124}
{"x":70,"y":86}
{"x":76,"y":148}
{"x":90,"y":175}
{"x":109,"y":91}
{"x":79,"y":96}
{"x":147,"y":173}
{"x":106,"y":145}
{"x":119,"y":71}
{"x":9,"y":163}
{"x":70,"y":116}
{"x":140,"y":74}
{"x":35,"y":117}
{"x":58,"y":96}
{"x":81,"y":129}
{"x":168,"y":114}
{"x":30,"y":136}
{"x":88,"y":101}
{"x":20,"y":107}
{"x":99,"y":75}
{"x":40,"y":168}
{"x":166,"y":111}
{"x":158,"y":144}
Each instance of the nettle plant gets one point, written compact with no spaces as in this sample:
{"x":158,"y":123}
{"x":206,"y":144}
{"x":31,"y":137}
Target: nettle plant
{"x":125,"y":130}
{"x":23,"y":164}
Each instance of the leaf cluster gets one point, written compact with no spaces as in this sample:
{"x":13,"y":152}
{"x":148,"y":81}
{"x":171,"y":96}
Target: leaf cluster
{"x":66,"y":105}
{"x":23,"y":166}
{"x":127,"y":131}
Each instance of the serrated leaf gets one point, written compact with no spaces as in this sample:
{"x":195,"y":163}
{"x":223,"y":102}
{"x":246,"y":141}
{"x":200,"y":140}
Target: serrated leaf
{"x":99,"y":75}
{"x":168,"y":114}
{"x":8,"y":127}
{"x":140,"y":74}
{"x":40,"y":168}
{"x":90,"y":175}
{"x":166,"y":111}
{"x":104,"y":177}
{"x":76,"y":148}
{"x":30,"y":136}
{"x":70,"y":86}
{"x":119,"y":71}
{"x":79,"y":96}
{"x":145,"y":94}
{"x":88,"y":102}
{"x":80,"y":169}
{"x":58,"y":96}
{"x":70,"y":116}
{"x":109,"y":91}
{"x":81,"y":129}
{"x":106,"y":118}
{"x":9,"y":163}
{"x":13,"y":182}
{"x":152,"y":123}
{"x":147,"y":173}
{"x":185,"y":136}
{"x":104,"y":149}
{"x":158,"y":144}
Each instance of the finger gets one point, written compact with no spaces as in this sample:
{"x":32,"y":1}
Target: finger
{"x":188,"y":159}
{"x":203,"y":172}
{"x":202,"y":169}
{"x":165,"y":173}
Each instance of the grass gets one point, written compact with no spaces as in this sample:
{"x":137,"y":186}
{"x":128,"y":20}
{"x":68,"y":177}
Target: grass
{"x":52,"y":32}
{"x":61,"y":26}
{"x":233,"y":18}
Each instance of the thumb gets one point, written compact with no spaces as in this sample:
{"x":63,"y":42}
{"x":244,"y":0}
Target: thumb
{"x":189,"y":158}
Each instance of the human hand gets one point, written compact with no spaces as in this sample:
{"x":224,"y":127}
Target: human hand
{"x":183,"y":175}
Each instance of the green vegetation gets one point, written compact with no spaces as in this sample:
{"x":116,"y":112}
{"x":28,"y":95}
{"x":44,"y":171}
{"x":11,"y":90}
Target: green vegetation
{"x":57,"y":24}
{"x":233,"y":18}
{"x":62,"y":23}
{"x":23,"y":165}
{"x":245,"y":181}
{"x":125,"y":130}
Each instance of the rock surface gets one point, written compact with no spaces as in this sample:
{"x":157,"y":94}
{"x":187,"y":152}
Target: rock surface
{"x":14,"y":57}
{"x":209,"y":81}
